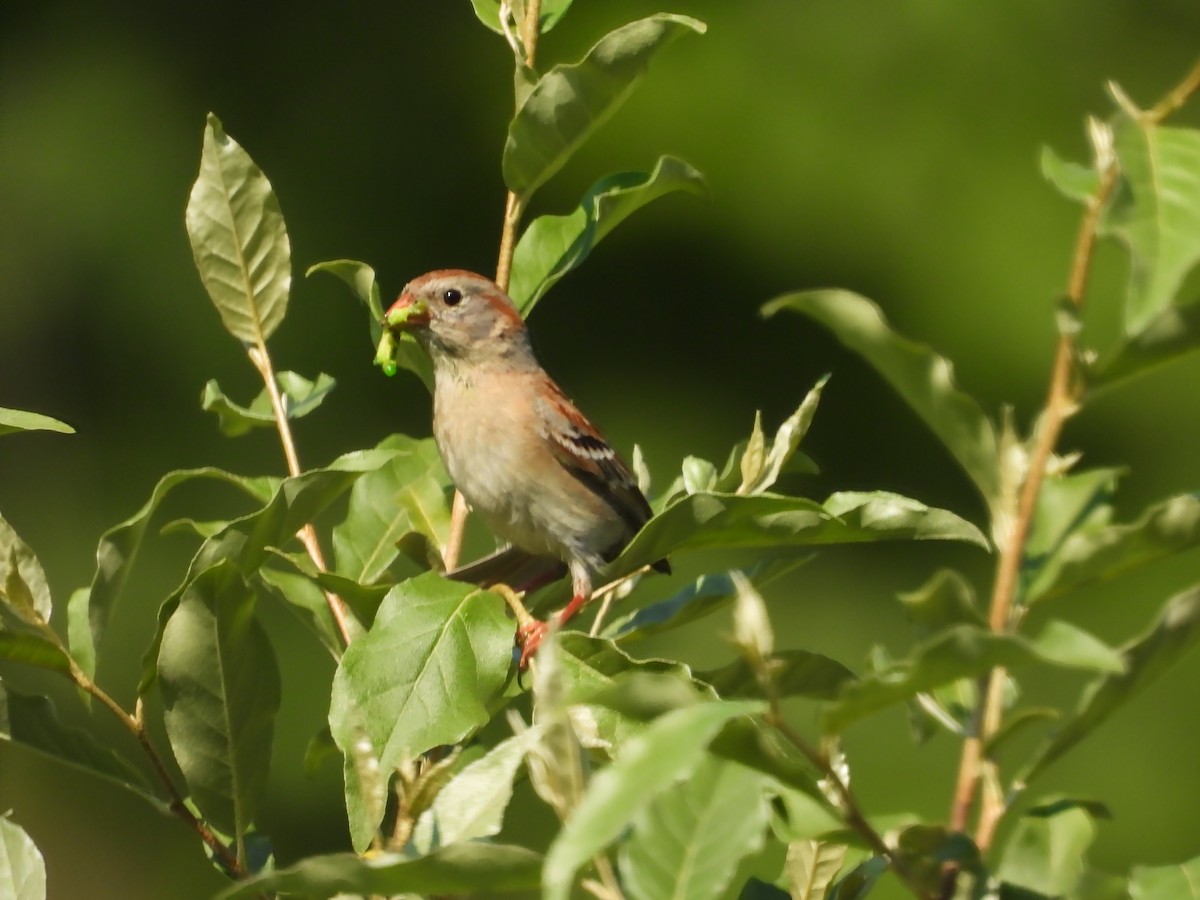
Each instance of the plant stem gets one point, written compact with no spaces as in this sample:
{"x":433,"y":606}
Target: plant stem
{"x":514,"y":206}
{"x":308,"y":534}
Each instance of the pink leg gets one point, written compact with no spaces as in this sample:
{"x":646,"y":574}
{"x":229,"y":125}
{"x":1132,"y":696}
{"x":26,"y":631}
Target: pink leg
{"x":529,"y":635}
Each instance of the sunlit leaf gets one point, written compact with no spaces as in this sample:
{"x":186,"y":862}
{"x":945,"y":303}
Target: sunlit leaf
{"x":923,"y":379}
{"x":438,"y":652}
{"x":551,"y":11}
{"x":1168,"y":335}
{"x":33,"y":650}
{"x":22,"y":869}
{"x":34,"y":723}
{"x":964,"y":651}
{"x":687,"y":843}
{"x":408,"y":494}
{"x":302,"y":595}
{"x":20,"y":420}
{"x":238,"y":239}
{"x":552,"y":246}
{"x":300,"y":397}
{"x":812,"y":866}
{"x":462,"y":869}
{"x":221,"y":692}
{"x":1066,"y":504}
{"x":755,"y":744}
{"x":1103,"y":553}
{"x":23,"y":588}
{"x":1155,"y":211}
{"x":1047,"y":853}
{"x":667,"y":750}
{"x":571,"y":101}
{"x":1181,"y":882}
{"x":1074,"y":181}
{"x":1146,"y":659}
{"x":761,"y":468}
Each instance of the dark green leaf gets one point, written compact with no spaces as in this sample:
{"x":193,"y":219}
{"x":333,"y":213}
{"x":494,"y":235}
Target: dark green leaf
{"x":363,"y":599}
{"x":759,"y":746}
{"x":118,"y":550}
{"x":22,"y":869}
{"x":667,"y":750}
{"x":23,"y":588}
{"x":1146,"y":659}
{"x":438,"y":652}
{"x":462,"y":869}
{"x":687,"y":843}
{"x":551,"y":11}
{"x":796,"y":673}
{"x":552,"y":246}
{"x":925,"y":852}
{"x":964,"y":651}
{"x":1181,"y":882}
{"x":570,"y":102}
{"x":300,"y":396}
{"x":307,"y":600}
{"x":20,"y":420}
{"x":923,"y":379}
{"x":944,"y":601}
{"x":33,"y":722}
{"x":857,"y":883}
{"x":1067,"y":503}
{"x":1168,"y":335}
{"x":238,"y":239}
{"x":408,"y":494}
{"x":1046,"y":853}
{"x":1106,"y":551}
{"x":1155,"y":212}
{"x":220,"y":689}
{"x":33,"y":650}
{"x":1074,"y":181}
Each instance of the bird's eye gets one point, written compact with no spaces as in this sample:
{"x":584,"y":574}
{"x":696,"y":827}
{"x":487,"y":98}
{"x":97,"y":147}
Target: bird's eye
{"x":452,"y":297}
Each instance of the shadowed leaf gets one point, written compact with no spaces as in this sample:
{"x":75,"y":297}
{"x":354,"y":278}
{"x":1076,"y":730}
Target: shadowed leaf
{"x":23,"y":589}
{"x":300,"y":395}
{"x":795,"y":673}
{"x":1046,"y":853}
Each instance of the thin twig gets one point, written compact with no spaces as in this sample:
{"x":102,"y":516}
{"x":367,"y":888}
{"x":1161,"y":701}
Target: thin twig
{"x":308,"y":534}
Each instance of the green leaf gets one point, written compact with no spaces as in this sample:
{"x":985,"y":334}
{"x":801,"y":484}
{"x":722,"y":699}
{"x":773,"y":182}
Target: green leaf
{"x":963,"y":651}
{"x":571,"y":101}
{"x":33,"y":722}
{"x":944,"y":601}
{"x":1168,"y":335}
{"x":667,"y":750}
{"x":1073,"y":180}
{"x":220,"y":690}
{"x":795,"y":673}
{"x":462,"y":869}
{"x":709,"y":520}
{"x":302,"y":595}
{"x":552,"y":246}
{"x":33,"y":650}
{"x":23,"y":588}
{"x":1103,"y":553}
{"x":238,"y":238}
{"x":812,"y":866}
{"x":472,"y":804}
{"x":19,"y":420}
{"x":762,"y":466}
{"x":857,"y":883}
{"x":300,"y":396}
{"x":1146,"y":659}
{"x":1067,"y":503}
{"x":1155,"y":212}
{"x":22,"y":869}
{"x":438,"y":652}
{"x":1046,"y":853}
{"x":1181,"y":882}
{"x":117,"y":551}
{"x":921,"y":377}
{"x":687,"y":843}
{"x":488,"y":12}
{"x":927,"y":851}
{"x":406,"y":495}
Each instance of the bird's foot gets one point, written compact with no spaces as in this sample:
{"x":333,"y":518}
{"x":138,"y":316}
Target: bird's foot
{"x":529,"y":637}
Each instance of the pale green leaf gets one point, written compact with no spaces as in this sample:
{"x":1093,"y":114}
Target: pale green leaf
{"x":463,"y":869}
{"x":944,"y":601}
{"x":407,"y":495}
{"x":1105,"y":552}
{"x":812,"y":866}
{"x":32,"y":722}
{"x":488,"y":12}
{"x":1180,"y":882}
{"x":1068,"y":502}
{"x":921,"y":377}
{"x":1047,"y":853}
{"x":1073,"y":180}
{"x":666,"y":751}
{"x":552,"y":245}
{"x":22,"y":869}
{"x":23,"y":588}
{"x":1169,"y":334}
{"x":571,"y":101}
{"x":1146,"y":659}
{"x":238,"y":238}
{"x":1155,"y":212}
{"x":761,"y":468}
{"x":688,"y":842}
{"x":221,"y":692}
{"x":300,"y":397}
{"x":20,"y":420}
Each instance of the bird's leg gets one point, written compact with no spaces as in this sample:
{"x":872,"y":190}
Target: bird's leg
{"x":531,"y":632}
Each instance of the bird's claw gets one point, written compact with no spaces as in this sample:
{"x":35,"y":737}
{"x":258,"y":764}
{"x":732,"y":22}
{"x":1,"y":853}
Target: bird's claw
{"x":529,"y":637}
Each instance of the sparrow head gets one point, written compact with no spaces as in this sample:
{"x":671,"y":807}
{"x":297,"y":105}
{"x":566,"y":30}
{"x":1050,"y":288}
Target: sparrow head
{"x":458,"y":314}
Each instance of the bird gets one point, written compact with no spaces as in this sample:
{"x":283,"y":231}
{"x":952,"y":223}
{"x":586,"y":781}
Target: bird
{"x":524,"y":457}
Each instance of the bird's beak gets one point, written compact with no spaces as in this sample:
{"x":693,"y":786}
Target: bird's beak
{"x":407,"y":312}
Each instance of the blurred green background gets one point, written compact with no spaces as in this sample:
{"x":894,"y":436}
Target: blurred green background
{"x":888,"y":147}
